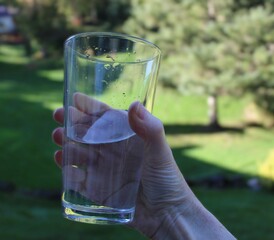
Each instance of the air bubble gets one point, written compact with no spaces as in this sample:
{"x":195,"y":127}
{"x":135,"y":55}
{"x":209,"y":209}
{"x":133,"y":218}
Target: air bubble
{"x":115,"y":65}
{"x":107,"y":66}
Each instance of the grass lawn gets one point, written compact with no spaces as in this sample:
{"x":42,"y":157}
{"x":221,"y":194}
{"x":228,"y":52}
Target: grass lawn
{"x":247,"y":214}
{"x":29,"y":91}
{"x":24,"y":218}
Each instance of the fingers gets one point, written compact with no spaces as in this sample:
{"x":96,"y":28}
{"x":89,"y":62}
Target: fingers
{"x":57,"y":136}
{"x":89,"y":105}
{"x":148,"y":127}
{"x":58,"y":115}
{"x":58,"y":158}
{"x":83,"y":104}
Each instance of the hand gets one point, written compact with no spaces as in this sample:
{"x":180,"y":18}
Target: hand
{"x":162,"y":184}
{"x":107,"y":174}
{"x":166,"y":208}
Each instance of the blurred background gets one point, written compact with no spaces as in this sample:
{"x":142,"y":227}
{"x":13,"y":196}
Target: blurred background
{"x":215,"y":97}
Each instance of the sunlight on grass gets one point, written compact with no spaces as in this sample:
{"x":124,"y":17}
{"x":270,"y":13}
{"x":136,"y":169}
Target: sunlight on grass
{"x":53,"y":75}
{"x":235,"y":152}
{"x":49,"y":102}
{"x":53,"y":106}
{"x":172,"y":107}
{"x":13,"y":54}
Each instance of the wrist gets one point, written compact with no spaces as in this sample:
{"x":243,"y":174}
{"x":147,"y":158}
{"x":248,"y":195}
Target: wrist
{"x":173,"y":222}
{"x":151,"y":218}
{"x":190,"y":222}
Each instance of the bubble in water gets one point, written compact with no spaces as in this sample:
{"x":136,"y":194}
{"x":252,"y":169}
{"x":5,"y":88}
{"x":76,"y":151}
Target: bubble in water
{"x":107,"y":66}
{"x":115,"y":65}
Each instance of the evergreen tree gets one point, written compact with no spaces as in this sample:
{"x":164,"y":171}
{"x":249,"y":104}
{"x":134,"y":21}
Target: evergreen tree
{"x":211,"y":47}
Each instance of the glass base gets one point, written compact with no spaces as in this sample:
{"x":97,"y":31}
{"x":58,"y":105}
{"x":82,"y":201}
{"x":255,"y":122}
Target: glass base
{"x":97,"y":214}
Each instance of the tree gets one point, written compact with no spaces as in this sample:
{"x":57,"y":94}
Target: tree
{"x":48,"y":23}
{"x":44,"y":24}
{"x":98,"y":12}
{"x":210,"y":47}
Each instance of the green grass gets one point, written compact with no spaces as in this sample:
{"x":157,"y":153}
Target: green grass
{"x":239,"y":150}
{"x":26,"y":122}
{"x":30,"y":90}
{"x":248,"y":215}
{"x":24,"y":218}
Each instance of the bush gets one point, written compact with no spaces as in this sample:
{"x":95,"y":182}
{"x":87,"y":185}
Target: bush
{"x":44,"y":25}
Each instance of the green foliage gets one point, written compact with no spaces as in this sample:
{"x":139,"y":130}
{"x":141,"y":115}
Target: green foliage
{"x":211,"y":47}
{"x":48,"y":23}
{"x":97,"y":12}
{"x":44,"y":24}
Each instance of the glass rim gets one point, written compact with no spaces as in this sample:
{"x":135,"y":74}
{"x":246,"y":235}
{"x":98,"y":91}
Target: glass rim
{"x":121,"y":36}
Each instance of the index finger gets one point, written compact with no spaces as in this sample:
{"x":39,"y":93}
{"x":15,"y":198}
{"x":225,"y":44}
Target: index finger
{"x":89,"y":105}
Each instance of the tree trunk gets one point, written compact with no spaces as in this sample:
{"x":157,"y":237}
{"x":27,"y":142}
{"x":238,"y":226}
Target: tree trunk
{"x":212,"y":99}
{"x":211,"y":11}
{"x":213,"y":112}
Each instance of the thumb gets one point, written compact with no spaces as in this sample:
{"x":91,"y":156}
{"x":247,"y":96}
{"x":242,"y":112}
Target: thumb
{"x":146,"y":126}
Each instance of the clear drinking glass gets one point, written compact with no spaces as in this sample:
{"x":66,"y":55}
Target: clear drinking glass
{"x":102,"y":156}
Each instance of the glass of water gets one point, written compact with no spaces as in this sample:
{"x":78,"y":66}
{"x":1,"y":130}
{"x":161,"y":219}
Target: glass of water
{"x":102,"y":156}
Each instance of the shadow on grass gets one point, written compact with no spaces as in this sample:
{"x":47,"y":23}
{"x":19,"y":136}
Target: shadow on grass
{"x":193,"y":167}
{"x":202,"y":174}
{"x":174,"y":129}
{"x":25,"y":144}
{"x":22,"y":79}
{"x":26,"y":125}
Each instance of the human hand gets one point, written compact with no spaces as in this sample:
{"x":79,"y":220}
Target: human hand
{"x":162,"y":184}
{"x":166,"y":208}
{"x":105,"y":174}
